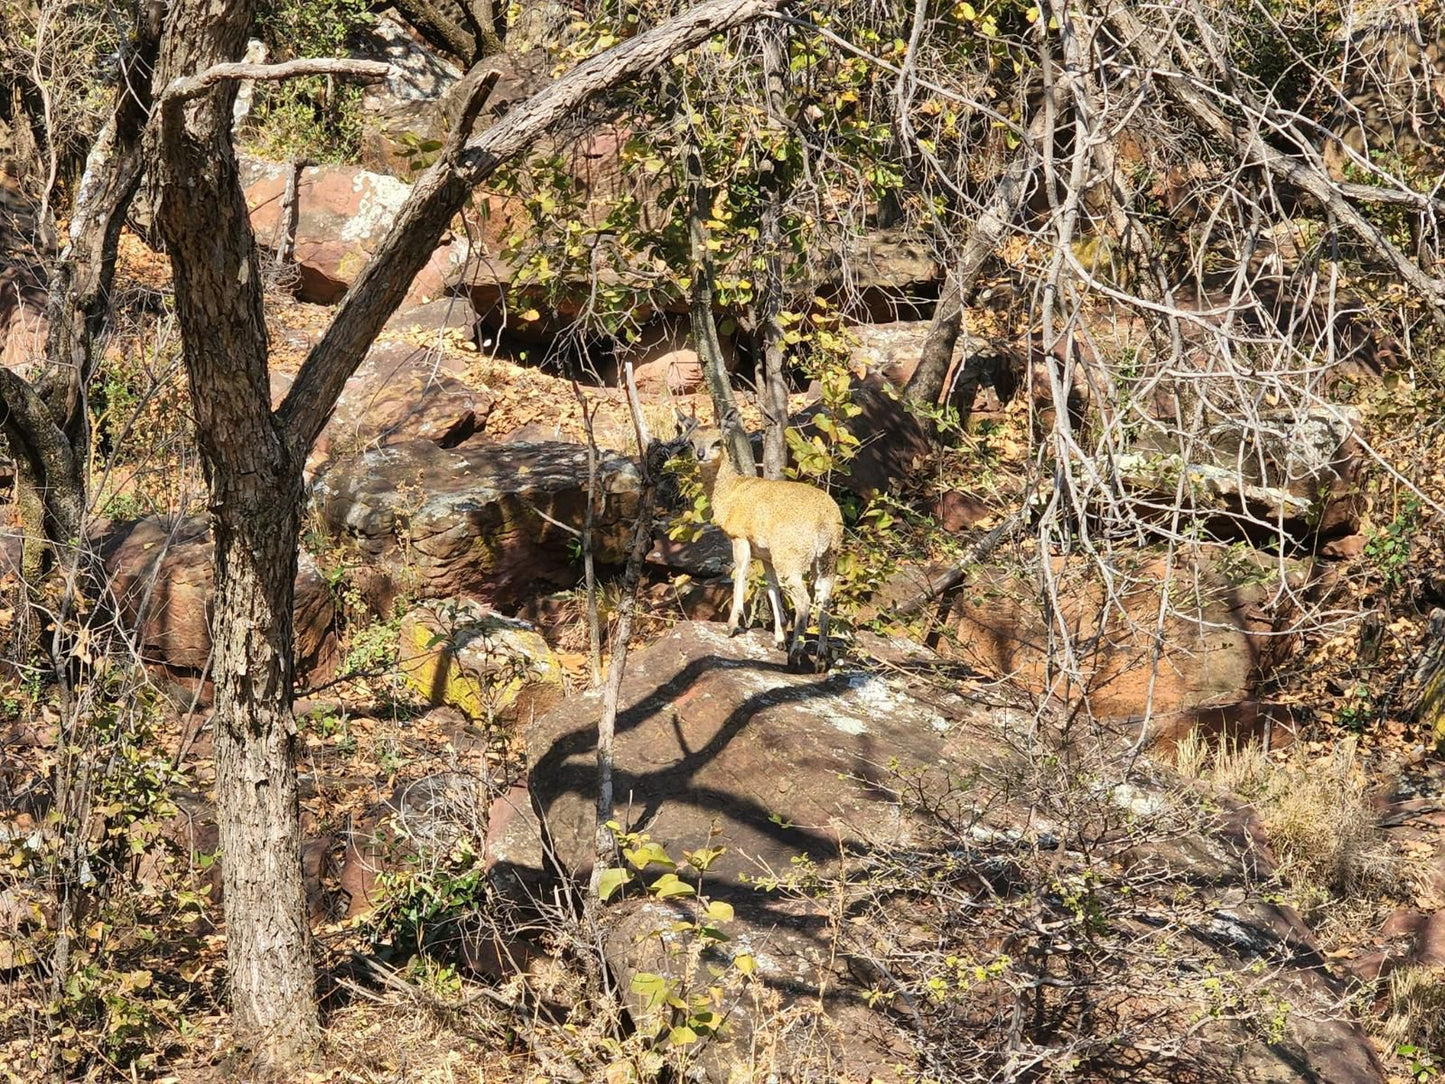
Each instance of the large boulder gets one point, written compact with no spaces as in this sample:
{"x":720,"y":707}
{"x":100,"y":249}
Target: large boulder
{"x":1224,"y":630}
{"x":160,"y":573}
{"x":477,"y":521}
{"x":801,"y":790}
{"x":1295,"y":469}
{"x":399,"y":392}
{"x":341,"y":215}
{"x":457,"y":652}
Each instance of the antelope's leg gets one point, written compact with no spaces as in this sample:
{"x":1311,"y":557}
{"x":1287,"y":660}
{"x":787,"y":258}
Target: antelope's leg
{"x":823,"y":587}
{"x":802,"y":610}
{"x":742,"y":562}
{"x":775,"y":600}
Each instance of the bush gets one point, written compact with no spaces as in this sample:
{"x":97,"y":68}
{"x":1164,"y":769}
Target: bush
{"x":315,"y":119}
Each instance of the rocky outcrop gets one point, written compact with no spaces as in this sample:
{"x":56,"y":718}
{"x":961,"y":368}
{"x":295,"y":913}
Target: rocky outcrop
{"x":478,"y":521}
{"x":787,"y":781}
{"x":161,"y":578}
{"x":341,"y":214}
{"x":1295,"y":470}
{"x":400,"y":392}
{"x":491,"y":667}
{"x":1223,"y":632}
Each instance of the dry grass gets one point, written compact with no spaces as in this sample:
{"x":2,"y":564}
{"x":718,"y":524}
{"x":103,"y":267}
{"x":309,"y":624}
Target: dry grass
{"x":1316,"y":811}
{"x":1416,"y":1013}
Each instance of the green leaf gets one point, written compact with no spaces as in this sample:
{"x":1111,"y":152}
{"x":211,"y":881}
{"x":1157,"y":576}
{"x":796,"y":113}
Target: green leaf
{"x":720,"y":911}
{"x":651,"y":988}
{"x":668,"y":885}
{"x":610,"y":881}
{"x":649,"y":853}
{"x":682,"y":1035}
{"x":745,"y":963}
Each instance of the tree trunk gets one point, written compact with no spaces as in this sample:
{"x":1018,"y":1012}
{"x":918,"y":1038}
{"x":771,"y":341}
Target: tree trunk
{"x":772,"y":386}
{"x":926,"y":384}
{"x":704,"y":325}
{"x":47,"y":424}
{"x":254,"y":476}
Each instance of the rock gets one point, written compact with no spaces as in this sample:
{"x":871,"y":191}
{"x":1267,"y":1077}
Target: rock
{"x":890,"y":350}
{"x":404,"y":110}
{"x":710,"y":556}
{"x":400,"y":392}
{"x":457,"y":652}
{"x":789,"y":776}
{"x":443,"y":314}
{"x":24,"y":291}
{"x":1216,"y":646}
{"x":342,"y":213}
{"x":893,"y":443}
{"x":429,"y":818}
{"x":161,"y":579}
{"x":469,"y":521}
{"x":958,"y":511}
{"x":664,"y":359}
{"x":1295,"y":468}
{"x":1343,"y":549}
{"x":717,"y":744}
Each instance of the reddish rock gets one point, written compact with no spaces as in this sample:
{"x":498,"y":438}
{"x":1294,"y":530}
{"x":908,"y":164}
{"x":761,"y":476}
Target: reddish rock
{"x":400,"y":392}
{"x":1342,"y":549}
{"x":958,"y":511}
{"x":161,"y":578}
{"x":1215,"y":648}
{"x":342,"y":213}
{"x":664,"y":360}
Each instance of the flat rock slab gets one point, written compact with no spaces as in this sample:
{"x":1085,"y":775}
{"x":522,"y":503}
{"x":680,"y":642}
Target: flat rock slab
{"x":475,"y":521}
{"x":807,"y":779}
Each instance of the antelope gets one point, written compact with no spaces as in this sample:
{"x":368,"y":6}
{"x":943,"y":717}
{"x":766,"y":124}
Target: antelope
{"x":794,"y":529}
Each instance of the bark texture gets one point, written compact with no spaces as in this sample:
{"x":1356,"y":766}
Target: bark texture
{"x":772,"y":384}
{"x":254,"y":477}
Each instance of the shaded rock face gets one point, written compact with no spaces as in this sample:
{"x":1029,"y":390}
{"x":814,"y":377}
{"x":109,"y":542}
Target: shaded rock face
{"x":473,"y":521}
{"x":490,"y":667}
{"x":892,"y":443}
{"x":160,"y":574}
{"x":400,"y":392}
{"x":1294,"y":469}
{"x":718,"y":746}
{"x":24,"y":290}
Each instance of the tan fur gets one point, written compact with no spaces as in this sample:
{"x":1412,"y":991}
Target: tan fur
{"x":794,"y":529}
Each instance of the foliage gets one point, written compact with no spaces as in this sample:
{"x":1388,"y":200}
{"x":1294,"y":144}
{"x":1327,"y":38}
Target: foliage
{"x":122,"y":1003}
{"x":315,"y":119}
{"x":687,"y":1004}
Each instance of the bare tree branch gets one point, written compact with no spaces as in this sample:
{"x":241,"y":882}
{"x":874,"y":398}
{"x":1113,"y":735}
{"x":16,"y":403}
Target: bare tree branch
{"x":182,"y":90}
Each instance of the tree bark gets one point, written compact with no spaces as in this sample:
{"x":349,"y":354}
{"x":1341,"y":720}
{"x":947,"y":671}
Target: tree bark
{"x":254,"y":476}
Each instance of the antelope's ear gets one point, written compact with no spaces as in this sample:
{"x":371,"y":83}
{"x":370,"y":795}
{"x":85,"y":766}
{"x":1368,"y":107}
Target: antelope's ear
{"x":685,"y":425}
